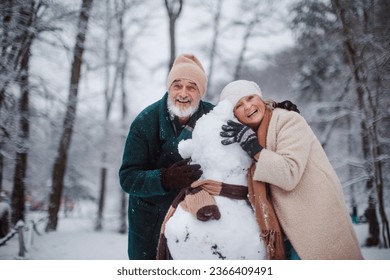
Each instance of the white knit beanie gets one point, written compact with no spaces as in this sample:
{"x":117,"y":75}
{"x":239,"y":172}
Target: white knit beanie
{"x":188,"y":66}
{"x":236,"y":90}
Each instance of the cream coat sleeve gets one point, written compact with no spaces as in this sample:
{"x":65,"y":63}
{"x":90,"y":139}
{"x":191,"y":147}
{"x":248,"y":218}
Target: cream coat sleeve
{"x":284,"y":159}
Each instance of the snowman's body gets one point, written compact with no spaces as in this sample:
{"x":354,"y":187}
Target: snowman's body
{"x":236,"y":234}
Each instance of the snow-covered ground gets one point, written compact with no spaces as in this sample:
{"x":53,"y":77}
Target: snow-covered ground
{"x":75,"y":239}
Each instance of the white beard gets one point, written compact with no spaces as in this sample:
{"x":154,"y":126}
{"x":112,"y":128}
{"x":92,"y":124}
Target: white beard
{"x":181,"y":113}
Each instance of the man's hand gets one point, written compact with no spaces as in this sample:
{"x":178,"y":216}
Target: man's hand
{"x":242,"y":134}
{"x":180,"y":175}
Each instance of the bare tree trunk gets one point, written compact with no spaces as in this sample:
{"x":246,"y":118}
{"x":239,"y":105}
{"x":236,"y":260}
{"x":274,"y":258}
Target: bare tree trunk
{"x":214,"y":45}
{"x":259,"y":13}
{"x":1,"y":170}
{"x":109,"y":94}
{"x":26,"y":35}
{"x":102,"y":195}
{"x":373,"y":225}
{"x":16,"y":20}
{"x":373,"y":104}
{"x":376,"y":152}
{"x":59,"y":166}
{"x":14,"y":33}
{"x":103,"y":169}
{"x":2,"y":132}
{"x":125,"y":111}
{"x":18,"y":192}
{"x":5,"y":43}
{"x":123,"y":213}
{"x":378,"y":175}
{"x":243,"y":50}
{"x":354,"y":206}
{"x":174,"y":8}
{"x":6,"y":18}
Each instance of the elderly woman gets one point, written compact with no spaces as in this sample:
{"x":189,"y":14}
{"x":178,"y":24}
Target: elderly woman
{"x":304,"y":188}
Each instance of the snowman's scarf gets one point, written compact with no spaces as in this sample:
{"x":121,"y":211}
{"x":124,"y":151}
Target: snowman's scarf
{"x":195,"y":198}
{"x":260,"y":197}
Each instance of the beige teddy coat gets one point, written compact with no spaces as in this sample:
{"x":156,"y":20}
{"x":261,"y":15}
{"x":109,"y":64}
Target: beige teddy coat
{"x":306,"y":191}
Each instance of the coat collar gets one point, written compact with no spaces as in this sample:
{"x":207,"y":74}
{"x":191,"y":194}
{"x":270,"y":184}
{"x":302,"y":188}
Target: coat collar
{"x":166,"y":128}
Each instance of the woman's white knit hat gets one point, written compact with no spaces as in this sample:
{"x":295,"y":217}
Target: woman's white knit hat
{"x":236,"y":90}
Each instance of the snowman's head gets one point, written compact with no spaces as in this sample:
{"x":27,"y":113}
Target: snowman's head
{"x":224,"y":163}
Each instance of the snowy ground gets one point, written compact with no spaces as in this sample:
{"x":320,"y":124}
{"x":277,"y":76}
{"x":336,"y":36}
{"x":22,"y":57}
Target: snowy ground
{"x":75,"y":239}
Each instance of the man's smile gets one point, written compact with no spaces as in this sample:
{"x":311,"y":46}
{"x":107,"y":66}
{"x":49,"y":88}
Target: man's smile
{"x":183,"y":101}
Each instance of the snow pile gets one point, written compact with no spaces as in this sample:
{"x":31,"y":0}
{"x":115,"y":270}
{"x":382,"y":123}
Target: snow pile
{"x":236,"y":234}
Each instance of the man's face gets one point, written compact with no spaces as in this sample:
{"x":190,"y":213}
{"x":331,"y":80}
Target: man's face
{"x":184,"y":98}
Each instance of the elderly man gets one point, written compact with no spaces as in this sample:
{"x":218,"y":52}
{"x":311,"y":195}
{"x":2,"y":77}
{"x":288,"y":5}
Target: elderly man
{"x":152,"y":171}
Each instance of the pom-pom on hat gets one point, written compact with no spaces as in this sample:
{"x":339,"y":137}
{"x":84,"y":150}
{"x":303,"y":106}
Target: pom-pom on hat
{"x":236,"y":90}
{"x":188,"y":66}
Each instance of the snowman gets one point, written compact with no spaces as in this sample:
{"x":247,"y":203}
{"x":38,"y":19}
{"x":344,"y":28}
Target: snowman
{"x":234,"y":233}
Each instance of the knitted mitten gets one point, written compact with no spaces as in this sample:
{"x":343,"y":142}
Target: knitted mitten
{"x":201,"y":204}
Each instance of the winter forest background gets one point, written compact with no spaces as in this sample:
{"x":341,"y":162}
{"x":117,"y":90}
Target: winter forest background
{"x":74,"y":74}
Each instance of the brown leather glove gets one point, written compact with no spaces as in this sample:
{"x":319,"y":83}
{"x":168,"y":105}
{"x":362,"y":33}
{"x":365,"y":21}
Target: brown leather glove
{"x":287,"y":105}
{"x":180,"y":175}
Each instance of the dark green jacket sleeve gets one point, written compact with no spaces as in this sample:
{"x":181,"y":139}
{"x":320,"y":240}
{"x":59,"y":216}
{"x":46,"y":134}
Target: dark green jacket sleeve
{"x":139,"y":175}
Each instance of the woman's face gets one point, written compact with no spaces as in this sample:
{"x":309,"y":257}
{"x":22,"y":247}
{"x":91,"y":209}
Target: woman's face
{"x":249,"y":110}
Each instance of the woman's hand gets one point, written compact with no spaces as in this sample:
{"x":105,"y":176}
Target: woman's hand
{"x":243,"y":135}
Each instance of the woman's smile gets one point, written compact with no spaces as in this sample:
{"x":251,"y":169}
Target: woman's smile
{"x":252,"y":113}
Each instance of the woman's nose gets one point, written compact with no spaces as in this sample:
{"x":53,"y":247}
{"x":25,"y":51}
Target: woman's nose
{"x":246,"y":105}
